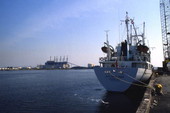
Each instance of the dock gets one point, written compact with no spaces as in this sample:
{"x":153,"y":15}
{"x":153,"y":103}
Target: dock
{"x":154,"y":103}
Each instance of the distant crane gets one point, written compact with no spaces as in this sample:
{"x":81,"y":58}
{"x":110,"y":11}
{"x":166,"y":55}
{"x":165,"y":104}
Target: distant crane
{"x":165,"y":26}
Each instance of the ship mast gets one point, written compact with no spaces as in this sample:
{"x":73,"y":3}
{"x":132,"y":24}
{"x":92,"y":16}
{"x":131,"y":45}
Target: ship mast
{"x":127,"y":26}
{"x":128,"y":40}
{"x":108,"y":46}
{"x":143,"y":35}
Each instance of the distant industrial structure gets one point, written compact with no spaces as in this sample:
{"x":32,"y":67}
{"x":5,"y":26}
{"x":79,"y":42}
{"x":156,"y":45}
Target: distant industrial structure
{"x":57,"y":63}
{"x":16,"y":68}
{"x":89,"y":65}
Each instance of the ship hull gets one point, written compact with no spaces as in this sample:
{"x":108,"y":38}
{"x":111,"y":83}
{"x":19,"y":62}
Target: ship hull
{"x":120,"y":79}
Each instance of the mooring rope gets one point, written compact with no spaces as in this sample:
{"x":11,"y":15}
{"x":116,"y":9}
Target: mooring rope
{"x":145,"y":85}
{"x":135,"y":79}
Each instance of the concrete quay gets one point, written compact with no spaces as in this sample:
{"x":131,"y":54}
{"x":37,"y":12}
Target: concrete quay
{"x":154,"y":103}
{"x":161,"y":103}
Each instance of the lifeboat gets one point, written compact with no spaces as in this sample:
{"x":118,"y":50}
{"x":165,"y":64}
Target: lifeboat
{"x":104,"y":49}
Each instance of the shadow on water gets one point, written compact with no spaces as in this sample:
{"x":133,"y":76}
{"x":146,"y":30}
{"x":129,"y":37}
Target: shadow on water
{"x":129,"y":101}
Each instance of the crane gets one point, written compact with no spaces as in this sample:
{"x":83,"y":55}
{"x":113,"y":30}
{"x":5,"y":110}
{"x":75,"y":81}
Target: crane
{"x":165,"y":26}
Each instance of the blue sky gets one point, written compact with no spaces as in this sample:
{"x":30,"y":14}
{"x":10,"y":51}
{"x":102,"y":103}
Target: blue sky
{"x":33,"y":30}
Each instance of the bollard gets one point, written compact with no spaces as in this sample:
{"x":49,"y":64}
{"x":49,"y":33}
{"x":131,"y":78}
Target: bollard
{"x":158,"y":89}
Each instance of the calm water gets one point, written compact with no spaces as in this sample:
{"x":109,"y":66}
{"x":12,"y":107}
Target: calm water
{"x":60,"y":91}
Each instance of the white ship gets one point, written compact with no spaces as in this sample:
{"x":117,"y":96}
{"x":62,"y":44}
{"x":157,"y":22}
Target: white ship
{"x":129,"y":64}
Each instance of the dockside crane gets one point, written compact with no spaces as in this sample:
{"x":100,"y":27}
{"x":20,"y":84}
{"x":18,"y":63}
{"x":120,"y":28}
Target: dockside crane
{"x":165,"y":26}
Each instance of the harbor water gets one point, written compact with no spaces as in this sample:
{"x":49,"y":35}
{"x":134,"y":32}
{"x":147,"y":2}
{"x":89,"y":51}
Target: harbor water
{"x":61,"y":91}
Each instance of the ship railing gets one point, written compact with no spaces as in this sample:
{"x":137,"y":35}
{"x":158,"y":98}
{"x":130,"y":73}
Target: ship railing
{"x":102,"y":59}
{"x":123,"y":58}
